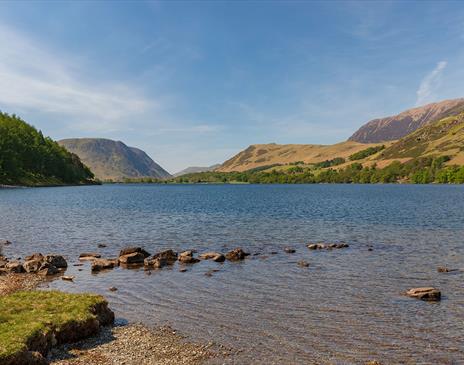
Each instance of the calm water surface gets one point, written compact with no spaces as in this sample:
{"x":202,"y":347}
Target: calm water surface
{"x":345,"y":308}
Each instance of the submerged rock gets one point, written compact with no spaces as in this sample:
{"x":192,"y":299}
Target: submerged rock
{"x":87,"y":256}
{"x":322,"y":246}
{"x":303,"y":263}
{"x":289,"y":250}
{"x":236,"y":255}
{"x":428,"y":294}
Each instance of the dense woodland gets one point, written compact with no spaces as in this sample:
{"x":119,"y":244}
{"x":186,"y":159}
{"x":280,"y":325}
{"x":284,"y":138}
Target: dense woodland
{"x":29,"y":158}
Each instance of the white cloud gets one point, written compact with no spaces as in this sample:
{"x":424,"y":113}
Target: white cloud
{"x":36,"y":79}
{"x":429,"y":83}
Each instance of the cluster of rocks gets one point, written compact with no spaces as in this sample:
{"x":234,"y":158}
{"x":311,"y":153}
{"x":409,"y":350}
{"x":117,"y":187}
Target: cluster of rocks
{"x":137,"y":256}
{"x":323,"y":246}
{"x":36,"y":263}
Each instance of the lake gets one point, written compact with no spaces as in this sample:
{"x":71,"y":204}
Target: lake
{"x":345,"y":308}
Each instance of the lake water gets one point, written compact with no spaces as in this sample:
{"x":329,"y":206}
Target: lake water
{"x":345,"y":308}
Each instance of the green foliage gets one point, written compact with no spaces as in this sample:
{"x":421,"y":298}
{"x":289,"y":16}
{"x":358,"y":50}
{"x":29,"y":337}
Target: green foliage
{"x":365,"y":153}
{"x":418,"y":171}
{"x":29,"y":158}
{"x":328,"y":163}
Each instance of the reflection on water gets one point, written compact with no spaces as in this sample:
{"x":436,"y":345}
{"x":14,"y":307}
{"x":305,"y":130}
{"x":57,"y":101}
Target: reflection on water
{"x":346,"y":307}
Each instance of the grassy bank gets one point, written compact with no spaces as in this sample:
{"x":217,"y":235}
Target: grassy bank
{"x":35,"y":320}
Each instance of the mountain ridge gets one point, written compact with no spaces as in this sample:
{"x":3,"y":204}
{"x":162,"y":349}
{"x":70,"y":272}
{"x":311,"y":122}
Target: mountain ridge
{"x":114,"y":160}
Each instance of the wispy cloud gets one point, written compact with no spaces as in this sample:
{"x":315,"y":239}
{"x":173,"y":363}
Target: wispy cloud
{"x":429,"y":83}
{"x":34,"y":78}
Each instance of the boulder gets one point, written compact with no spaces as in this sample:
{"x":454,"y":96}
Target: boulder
{"x":186,"y":257}
{"x":289,"y":250}
{"x":47,"y":269}
{"x":236,"y":255}
{"x":103,"y":264}
{"x":215,"y":256}
{"x":156,"y":263}
{"x":57,"y":260}
{"x":130,"y":250}
{"x":35,"y":256}
{"x":87,"y":256}
{"x":429,"y":294}
{"x":169,"y":255}
{"x":14,"y":267}
{"x":32,"y":265}
{"x":132,"y":258}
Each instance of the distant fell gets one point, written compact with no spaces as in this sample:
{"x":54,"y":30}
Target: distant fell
{"x":400,"y":125}
{"x":113,"y":160}
{"x":194,"y":169}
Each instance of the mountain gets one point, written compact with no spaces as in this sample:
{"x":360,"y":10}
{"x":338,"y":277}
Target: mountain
{"x":193,"y":169}
{"x":260,"y":155}
{"x":113,"y":160}
{"x":29,"y":158}
{"x":398,"y":126}
{"x":441,"y":138}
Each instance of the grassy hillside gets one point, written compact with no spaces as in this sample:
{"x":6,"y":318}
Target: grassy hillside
{"x":261,"y":155}
{"x":113,"y":160}
{"x":29,"y":158}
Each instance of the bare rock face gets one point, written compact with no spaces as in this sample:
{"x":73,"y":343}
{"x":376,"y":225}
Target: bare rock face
{"x":130,"y":250}
{"x":236,"y":255}
{"x":428,"y":294}
{"x":215,"y":256}
{"x":398,"y":126}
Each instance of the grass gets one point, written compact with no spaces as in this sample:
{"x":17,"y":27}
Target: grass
{"x":25,"y":314}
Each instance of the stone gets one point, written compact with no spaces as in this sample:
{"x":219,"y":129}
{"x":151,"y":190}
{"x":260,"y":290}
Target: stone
{"x":289,"y":250}
{"x":215,"y":256}
{"x":35,"y":256}
{"x":67,"y":278}
{"x":101,"y":245}
{"x":57,"y":260}
{"x":113,"y":288}
{"x":87,"y":256}
{"x":236,"y":255}
{"x":445,"y":269}
{"x":186,"y":257}
{"x":183,"y":269}
{"x":132,"y":258}
{"x":103,"y":264}
{"x":14,"y":267}
{"x":169,"y":255}
{"x":130,"y":250}
{"x":312,"y":246}
{"x":47,"y":269}
{"x":303,"y":263}
{"x":428,"y":294}
{"x":32,"y":265}
{"x":156,"y":263}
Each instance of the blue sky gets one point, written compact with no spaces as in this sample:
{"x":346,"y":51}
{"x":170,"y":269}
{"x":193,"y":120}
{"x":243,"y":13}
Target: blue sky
{"x":193,"y":83}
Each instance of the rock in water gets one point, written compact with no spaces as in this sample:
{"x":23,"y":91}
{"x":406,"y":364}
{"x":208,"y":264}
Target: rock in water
{"x":57,"y":260}
{"x":132,"y":258}
{"x":215,"y":256}
{"x":87,"y":256}
{"x":103,"y":264}
{"x":428,"y":294}
{"x":236,"y":255}
{"x":289,"y":250}
{"x":169,"y":255}
{"x":130,"y":250}
{"x":303,"y":263}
